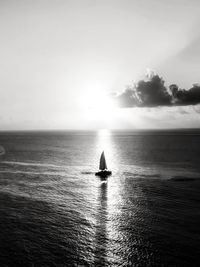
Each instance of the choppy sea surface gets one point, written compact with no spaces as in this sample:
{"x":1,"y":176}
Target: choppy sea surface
{"x":55,"y":212}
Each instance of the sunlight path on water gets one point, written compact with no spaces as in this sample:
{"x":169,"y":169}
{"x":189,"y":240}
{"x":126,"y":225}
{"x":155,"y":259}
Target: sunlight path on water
{"x":116,"y":212}
{"x":108,"y":199}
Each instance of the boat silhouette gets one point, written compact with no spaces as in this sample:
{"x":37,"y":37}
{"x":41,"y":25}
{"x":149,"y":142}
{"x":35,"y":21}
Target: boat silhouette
{"x":103,"y":170}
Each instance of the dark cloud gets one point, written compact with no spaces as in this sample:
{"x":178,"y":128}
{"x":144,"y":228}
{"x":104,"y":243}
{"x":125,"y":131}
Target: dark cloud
{"x":186,"y":97}
{"x":153,"y":93}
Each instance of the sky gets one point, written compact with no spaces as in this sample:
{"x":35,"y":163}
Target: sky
{"x":59,"y":59}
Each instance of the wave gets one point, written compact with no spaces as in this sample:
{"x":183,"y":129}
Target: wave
{"x":184,"y":179}
{"x":31,"y":164}
{"x":35,"y":173}
{"x":141,"y":175}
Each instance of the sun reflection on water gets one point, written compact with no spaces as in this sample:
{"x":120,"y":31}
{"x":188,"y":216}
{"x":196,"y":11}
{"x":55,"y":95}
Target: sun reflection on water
{"x":107,"y":143}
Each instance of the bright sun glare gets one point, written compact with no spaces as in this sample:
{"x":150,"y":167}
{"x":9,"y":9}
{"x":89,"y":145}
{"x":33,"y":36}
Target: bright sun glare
{"x":99,"y":107}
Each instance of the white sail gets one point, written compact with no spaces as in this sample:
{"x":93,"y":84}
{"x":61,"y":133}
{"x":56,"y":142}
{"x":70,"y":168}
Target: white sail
{"x":102,"y":164}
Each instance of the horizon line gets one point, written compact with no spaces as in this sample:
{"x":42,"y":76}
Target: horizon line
{"x":97,"y":130}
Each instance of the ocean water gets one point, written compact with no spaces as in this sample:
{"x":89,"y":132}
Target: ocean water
{"x":55,"y":212}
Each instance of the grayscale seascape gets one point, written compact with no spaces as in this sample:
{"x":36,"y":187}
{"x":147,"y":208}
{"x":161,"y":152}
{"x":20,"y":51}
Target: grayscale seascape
{"x":55,"y":212}
{"x":99,"y":133}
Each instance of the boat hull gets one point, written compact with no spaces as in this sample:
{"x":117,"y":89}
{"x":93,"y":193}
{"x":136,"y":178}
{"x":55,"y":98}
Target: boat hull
{"x":103,"y":174}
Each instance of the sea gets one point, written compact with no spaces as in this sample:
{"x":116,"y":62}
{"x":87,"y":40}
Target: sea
{"x":54,"y":211}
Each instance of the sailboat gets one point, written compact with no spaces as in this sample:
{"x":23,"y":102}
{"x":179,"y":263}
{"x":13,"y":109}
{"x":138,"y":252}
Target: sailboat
{"x":103,"y":170}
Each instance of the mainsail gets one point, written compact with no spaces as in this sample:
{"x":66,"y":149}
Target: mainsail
{"x":102,"y":164}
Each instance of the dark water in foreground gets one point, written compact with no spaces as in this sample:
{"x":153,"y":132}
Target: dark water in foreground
{"x":55,"y":212}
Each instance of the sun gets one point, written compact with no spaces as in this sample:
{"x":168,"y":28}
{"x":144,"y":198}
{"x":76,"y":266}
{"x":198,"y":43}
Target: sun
{"x":99,"y":107}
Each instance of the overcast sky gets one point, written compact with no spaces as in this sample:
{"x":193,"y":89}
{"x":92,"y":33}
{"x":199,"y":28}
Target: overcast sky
{"x":54,"y":53}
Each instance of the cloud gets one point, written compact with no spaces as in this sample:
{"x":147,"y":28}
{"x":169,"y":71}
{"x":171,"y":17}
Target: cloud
{"x":153,"y":93}
{"x":127,"y":99}
{"x":186,"y":97}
